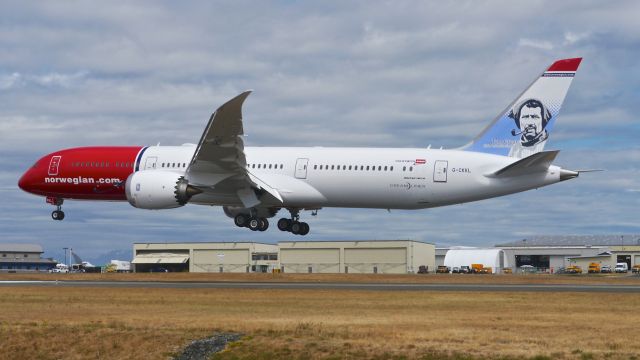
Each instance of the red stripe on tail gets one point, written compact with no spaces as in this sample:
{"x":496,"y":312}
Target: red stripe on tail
{"x":565,"y":65}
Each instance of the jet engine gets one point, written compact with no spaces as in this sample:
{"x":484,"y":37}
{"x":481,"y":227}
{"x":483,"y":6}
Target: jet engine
{"x":155,"y":189}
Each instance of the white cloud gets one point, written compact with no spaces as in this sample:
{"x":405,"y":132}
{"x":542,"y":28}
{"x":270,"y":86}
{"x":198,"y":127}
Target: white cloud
{"x":538,"y":44}
{"x":571,"y":38}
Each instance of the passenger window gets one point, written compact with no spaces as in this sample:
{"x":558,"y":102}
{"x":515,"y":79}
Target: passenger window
{"x":281,"y":166}
{"x":367,"y":167}
{"x":379,"y":168}
{"x":162,"y":164}
{"x":404,"y":168}
{"x":385,"y":168}
{"x":332,"y":166}
{"x":349,"y":167}
{"x":269,"y":166}
{"x":315,"y":167}
{"x":259,"y":166}
{"x":410,"y":168}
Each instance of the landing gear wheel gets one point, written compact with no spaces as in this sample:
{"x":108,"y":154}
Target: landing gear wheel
{"x":296,"y":227}
{"x":57,"y":215}
{"x":254,"y":224}
{"x":264,"y":224}
{"x":284,"y":224}
{"x":241,"y":220}
{"x":304,"y":228}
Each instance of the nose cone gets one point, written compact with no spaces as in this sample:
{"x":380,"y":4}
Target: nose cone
{"x":27,"y":181}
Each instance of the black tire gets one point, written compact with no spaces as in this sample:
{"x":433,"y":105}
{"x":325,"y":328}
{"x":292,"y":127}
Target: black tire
{"x":304,"y":228}
{"x":264,"y":224}
{"x":57,"y":215}
{"x":284,"y":224}
{"x":295,"y":228}
{"x":253,"y":224}
{"x":241,"y":220}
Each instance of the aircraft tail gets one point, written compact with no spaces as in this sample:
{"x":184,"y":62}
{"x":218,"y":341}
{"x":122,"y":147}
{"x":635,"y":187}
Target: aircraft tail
{"x":523,"y":128}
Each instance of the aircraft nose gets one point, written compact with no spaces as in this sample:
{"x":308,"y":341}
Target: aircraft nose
{"x":26,"y":181}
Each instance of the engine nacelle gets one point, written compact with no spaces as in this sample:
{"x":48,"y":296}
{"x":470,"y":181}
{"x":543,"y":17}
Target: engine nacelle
{"x":156,"y":189}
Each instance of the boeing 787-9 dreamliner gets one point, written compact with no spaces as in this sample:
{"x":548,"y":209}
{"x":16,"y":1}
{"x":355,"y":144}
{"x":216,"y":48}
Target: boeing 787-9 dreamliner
{"x":253,"y":184}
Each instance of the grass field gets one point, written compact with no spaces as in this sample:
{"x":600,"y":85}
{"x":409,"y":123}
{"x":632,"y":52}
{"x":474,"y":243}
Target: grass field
{"x":80,"y":323}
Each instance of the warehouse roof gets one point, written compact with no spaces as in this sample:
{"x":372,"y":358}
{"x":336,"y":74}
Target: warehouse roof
{"x":351,"y":241}
{"x":21,"y":248}
{"x":575,"y":240}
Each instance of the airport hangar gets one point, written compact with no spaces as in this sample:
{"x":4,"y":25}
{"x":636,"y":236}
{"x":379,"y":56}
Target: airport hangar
{"x":24,"y":258}
{"x":365,"y":256}
{"x":550,"y":253}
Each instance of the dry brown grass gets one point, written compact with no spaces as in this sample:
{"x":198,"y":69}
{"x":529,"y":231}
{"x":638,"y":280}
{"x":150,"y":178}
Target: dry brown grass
{"x":79,"y":323}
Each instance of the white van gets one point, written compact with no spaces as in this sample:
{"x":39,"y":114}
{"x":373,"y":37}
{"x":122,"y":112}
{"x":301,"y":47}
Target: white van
{"x":60,"y":268}
{"x":622,"y":267}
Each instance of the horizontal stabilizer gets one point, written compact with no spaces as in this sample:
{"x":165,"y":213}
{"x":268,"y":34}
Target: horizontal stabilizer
{"x":538,"y":162}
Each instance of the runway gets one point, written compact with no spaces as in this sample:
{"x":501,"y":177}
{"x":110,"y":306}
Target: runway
{"x":335,"y":286}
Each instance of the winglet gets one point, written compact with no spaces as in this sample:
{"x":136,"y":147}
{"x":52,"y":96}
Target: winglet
{"x":538,"y":162}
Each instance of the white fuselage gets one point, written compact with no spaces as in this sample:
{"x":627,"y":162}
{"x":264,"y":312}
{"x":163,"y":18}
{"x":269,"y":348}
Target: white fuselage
{"x":386,"y":178}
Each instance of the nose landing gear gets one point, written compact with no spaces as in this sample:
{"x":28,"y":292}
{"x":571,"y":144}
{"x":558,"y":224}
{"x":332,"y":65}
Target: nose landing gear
{"x":57,"y":214}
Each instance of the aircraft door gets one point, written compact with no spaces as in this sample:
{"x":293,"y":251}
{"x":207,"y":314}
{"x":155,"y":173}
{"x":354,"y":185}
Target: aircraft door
{"x":440,"y":171}
{"x":150,"y":163}
{"x":301,"y":168}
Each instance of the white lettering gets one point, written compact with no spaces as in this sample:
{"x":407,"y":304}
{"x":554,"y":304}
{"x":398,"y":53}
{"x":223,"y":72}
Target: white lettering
{"x":81,"y":180}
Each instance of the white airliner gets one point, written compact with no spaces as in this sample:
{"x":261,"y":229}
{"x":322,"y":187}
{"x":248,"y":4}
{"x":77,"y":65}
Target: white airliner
{"x":254,"y":183}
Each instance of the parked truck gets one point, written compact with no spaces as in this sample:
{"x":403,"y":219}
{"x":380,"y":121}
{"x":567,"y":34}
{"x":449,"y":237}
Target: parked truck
{"x":622,"y":267}
{"x":594,"y":268}
{"x":574,"y":269}
{"x":480,"y":269}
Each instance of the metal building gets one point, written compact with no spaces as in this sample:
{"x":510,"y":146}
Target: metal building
{"x":489,"y":258}
{"x":376,"y":257}
{"x":205,"y":257}
{"x":23,"y":258}
{"x":550,"y":253}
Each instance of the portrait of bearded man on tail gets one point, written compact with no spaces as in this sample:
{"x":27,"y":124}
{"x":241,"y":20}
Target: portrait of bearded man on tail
{"x":531,"y":117}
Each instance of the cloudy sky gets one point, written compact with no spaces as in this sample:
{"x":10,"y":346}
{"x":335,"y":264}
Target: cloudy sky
{"x":381,"y":74}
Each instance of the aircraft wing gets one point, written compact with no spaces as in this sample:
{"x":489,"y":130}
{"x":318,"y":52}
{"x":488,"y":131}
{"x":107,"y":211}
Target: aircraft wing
{"x":219,"y":161}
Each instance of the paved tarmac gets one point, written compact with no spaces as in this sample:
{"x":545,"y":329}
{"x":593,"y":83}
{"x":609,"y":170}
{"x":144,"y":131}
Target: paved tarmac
{"x":334,"y":286}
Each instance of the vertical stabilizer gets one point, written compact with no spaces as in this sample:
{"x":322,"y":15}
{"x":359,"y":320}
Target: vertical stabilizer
{"x":524,"y":127}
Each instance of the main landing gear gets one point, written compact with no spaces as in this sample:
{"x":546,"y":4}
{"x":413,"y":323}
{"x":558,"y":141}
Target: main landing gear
{"x":57,"y":214}
{"x":252,"y":222}
{"x":293,"y":225}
